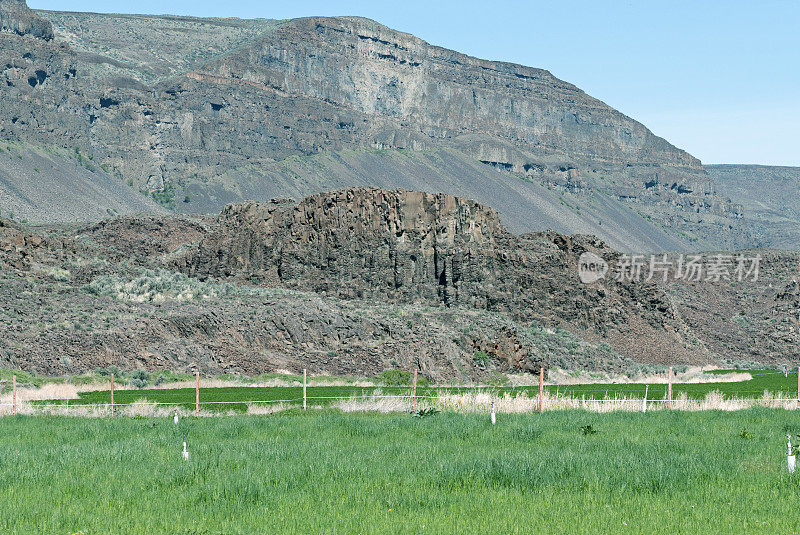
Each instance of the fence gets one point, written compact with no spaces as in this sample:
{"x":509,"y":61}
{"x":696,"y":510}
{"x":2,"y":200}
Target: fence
{"x":467,"y":399}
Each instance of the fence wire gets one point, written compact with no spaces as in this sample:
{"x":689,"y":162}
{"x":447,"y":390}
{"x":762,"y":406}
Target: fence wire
{"x":548,"y":398}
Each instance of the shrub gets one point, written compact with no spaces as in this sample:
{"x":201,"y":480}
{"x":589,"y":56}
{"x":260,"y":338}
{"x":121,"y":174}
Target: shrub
{"x":399,"y":378}
{"x":480,"y":358}
{"x":160,"y":285}
{"x":56,"y":273}
{"x":395,"y":378}
{"x":497,"y":379}
{"x":165,"y":196}
{"x":140,"y":379}
{"x":23,"y":378}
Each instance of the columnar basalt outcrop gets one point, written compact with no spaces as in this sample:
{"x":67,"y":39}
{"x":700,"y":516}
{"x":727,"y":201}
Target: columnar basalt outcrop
{"x":403,"y":246}
{"x":358,"y":243}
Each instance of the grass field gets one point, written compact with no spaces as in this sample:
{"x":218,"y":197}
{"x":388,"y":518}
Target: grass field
{"x":236,"y":397}
{"x":762,"y":380}
{"x":327,"y":472}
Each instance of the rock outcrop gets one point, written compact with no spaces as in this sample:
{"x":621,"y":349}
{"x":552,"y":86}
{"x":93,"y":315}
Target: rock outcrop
{"x":54,"y":284}
{"x":15,"y":17}
{"x":357,"y":282}
{"x":358,"y":243}
{"x":401,"y":246}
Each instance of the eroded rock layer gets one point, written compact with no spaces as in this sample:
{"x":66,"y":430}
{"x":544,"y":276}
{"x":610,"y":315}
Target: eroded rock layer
{"x":200,"y":113}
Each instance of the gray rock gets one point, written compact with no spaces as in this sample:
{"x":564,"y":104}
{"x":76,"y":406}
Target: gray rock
{"x":435,"y":249}
{"x":15,"y":17}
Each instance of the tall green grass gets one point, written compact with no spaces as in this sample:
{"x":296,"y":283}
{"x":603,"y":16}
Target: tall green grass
{"x":762,"y":380}
{"x":326,"y":472}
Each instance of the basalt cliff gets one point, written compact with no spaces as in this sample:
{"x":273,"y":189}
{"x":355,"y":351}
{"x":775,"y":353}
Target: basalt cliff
{"x":438,"y":250}
{"x":199,"y":113}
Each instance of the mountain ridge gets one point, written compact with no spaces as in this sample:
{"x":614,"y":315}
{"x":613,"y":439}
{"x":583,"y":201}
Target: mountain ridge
{"x":202,"y":110}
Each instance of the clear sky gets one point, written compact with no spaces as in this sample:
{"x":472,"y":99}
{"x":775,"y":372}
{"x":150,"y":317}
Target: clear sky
{"x":718,"y":79}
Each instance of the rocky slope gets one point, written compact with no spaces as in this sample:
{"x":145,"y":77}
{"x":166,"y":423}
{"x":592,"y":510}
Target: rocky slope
{"x":203,"y":112}
{"x":353,"y":282}
{"x":770,"y":200}
{"x":45,"y":185}
{"x":746,"y":321}
{"x":358,"y":282}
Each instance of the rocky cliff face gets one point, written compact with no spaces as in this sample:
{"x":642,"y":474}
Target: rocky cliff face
{"x":242,"y":118}
{"x":422,"y":93}
{"x":15,"y":17}
{"x":357,"y":243}
{"x":435,"y":249}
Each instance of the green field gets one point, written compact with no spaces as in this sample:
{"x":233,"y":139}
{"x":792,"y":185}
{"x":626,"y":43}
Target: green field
{"x":762,"y":380}
{"x":235,"y":397}
{"x":327,"y":472}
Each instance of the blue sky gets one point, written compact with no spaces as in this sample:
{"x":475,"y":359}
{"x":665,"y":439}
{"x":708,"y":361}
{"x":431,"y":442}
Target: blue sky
{"x":718,"y":79}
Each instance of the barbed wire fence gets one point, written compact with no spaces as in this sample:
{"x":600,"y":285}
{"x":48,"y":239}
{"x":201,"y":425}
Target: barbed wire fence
{"x":473,"y":398}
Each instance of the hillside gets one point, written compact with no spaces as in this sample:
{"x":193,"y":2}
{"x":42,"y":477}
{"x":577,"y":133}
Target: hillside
{"x":362,"y":280}
{"x":354,"y":281}
{"x":46,"y":185}
{"x":770,"y":200}
{"x":203,"y":112}
{"x":746,"y":321}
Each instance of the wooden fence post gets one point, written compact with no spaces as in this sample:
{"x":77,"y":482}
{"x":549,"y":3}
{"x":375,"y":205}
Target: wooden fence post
{"x":541,"y":390}
{"x":112,"y":395}
{"x":304,"y":389}
{"x":197,"y":394}
{"x":414,"y":392}
{"x":669,"y":389}
{"x":14,"y":396}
